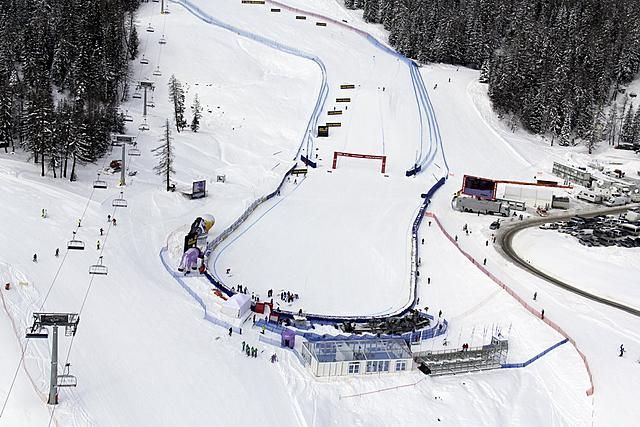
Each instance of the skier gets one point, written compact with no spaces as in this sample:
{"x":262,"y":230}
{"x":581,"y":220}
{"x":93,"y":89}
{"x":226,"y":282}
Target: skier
{"x":428,"y":280}
{"x":484,"y":262}
{"x":435,"y":86}
{"x":542,"y":314}
{"x":456,"y":237}
{"x":274,"y":358}
{"x":109,"y":218}
{"x":486,"y":243}
{"x":80,"y":222}
{"x":440,"y":313}
{"x":44,"y":213}
{"x":423,"y":241}
{"x":247,"y":351}
{"x":243,"y":345}
{"x":101,"y":231}
{"x":98,"y":245}
{"x":622,"y":350}
{"x":114,"y":221}
{"x":35,"y":257}
{"x":228,"y":271}
{"x":535,"y":296}
{"x":57,"y":252}
{"x":429,"y":223}
{"x":230,"y":331}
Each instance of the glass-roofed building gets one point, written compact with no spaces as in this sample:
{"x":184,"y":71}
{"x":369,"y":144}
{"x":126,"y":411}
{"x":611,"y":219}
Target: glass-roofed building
{"x":356,"y":357}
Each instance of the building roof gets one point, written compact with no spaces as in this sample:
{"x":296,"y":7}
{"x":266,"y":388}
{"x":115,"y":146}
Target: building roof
{"x":355,"y":350}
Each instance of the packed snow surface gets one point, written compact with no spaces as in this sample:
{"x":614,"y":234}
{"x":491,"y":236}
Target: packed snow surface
{"x":340,"y":238}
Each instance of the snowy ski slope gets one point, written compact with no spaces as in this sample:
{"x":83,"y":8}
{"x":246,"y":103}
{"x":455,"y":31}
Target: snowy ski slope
{"x":144,"y":356}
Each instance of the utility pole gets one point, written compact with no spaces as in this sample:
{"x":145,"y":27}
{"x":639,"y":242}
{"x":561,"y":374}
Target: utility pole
{"x":39,"y":331}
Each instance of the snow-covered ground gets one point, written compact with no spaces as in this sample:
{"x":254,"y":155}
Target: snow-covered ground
{"x":605,"y":271}
{"x":143,"y":354}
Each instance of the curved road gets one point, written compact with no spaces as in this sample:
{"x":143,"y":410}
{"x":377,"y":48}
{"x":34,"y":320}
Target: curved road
{"x":505,"y":240}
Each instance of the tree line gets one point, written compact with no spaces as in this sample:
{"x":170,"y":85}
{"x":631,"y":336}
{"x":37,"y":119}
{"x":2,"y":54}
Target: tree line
{"x":63,"y":71}
{"x":553,"y":67}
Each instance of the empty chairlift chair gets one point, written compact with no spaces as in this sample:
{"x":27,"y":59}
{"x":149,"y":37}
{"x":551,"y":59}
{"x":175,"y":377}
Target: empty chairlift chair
{"x":99,"y":268}
{"x":163,"y":40}
{"x":157,"y":71}
{"x":143,"y":60}
{"x":135,"y":151}
{"x":119,"y":202}
{"x":98,"y":183}
{"x":75,"y":244}
{"x":39,"y":333}
{"x":150,"y":28}
{"x":143,"y":126}
{"x":137,"y":94}
{"x":66,"y":379}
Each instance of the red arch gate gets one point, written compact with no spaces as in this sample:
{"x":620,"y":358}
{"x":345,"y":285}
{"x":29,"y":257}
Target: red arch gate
{"x":337,"y":154}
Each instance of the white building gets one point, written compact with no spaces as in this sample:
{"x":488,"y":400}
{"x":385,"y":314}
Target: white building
{"x":357,"y":357}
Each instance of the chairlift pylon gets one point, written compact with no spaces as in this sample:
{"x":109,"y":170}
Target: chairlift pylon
{"x":98,"y":183}
{"x":75,"y":244}
{"x":98,"y":268}
{"x":119,"y":202}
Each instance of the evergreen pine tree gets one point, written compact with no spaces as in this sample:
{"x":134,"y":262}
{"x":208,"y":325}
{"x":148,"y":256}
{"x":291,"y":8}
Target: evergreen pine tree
{"x":636,"y":128}
{"x":176,"y":96}
{"x":166,"y":157}
{"x":196,"y":108}
{"x":627,"y":131}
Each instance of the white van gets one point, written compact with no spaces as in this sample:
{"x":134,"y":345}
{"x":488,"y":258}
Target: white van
{"x":590,"y":196}
{"x":616,"y":201}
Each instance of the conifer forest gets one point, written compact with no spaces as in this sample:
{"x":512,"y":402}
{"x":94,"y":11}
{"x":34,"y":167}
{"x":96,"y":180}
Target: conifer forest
{"x":63,"y":71}
{"x":553,"y":67}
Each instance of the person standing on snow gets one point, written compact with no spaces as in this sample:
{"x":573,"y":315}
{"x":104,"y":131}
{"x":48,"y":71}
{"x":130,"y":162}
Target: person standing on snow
{"x":35,"y":257}
{"x":622,"y":350}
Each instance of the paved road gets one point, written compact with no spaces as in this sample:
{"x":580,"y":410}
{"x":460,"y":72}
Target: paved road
{"x":508,"y":231}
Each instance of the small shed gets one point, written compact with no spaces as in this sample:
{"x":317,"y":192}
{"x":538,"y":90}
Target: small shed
{"x":237,"y":306}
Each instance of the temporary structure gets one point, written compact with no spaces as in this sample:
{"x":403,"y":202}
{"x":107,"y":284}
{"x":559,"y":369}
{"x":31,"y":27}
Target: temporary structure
{"x":237,"y":306}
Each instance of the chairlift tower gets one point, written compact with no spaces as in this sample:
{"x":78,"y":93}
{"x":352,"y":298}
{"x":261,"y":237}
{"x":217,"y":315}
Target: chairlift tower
{"x":39,"y":330}
{"x":145,"y":84}
{"x":119,"y":140}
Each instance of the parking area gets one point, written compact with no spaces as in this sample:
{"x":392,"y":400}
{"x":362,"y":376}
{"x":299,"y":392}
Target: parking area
{"x":621,"y":230}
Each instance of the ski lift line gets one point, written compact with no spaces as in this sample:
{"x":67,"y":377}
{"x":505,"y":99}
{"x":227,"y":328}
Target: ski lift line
{"x":84,"y":301}
{"x":46,"y":297}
